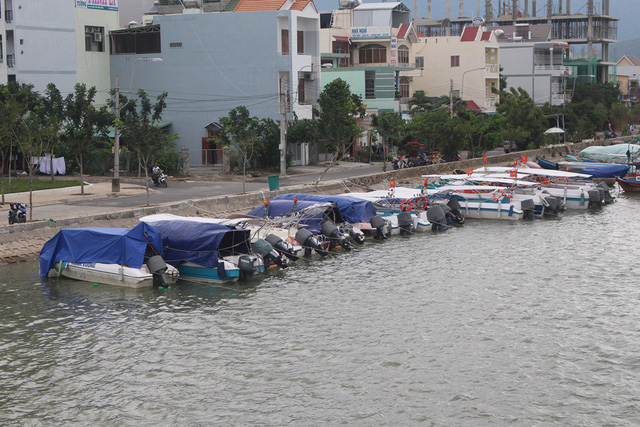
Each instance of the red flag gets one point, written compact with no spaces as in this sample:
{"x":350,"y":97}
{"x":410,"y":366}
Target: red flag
{"x":524,"y":159}
{"x":393,"y":183}
{"x":485,"y":159}
{"x":426,"y":183}
{"x":469,"y":171}
{"x":513,"y":174}
{"x":515,"y":164}
{"x":266,"y":202}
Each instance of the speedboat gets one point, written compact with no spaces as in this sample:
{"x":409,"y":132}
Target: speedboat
{"x":113,"y":256}
{"x":208,"y":252}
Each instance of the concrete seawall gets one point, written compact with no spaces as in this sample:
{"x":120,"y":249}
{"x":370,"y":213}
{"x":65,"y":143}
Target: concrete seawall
{"x":21,"y":242}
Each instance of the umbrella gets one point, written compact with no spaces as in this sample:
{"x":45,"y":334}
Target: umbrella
{"x":553,"y":130}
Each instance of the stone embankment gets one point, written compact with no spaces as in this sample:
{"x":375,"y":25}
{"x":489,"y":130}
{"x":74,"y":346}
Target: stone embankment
{"x":20,"y":242}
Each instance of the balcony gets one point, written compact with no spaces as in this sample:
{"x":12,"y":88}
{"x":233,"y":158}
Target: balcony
{"x":11,"y":60}
{"x":561,"y":68}
{"x":8,"y":16}
{"x":492,"y":68}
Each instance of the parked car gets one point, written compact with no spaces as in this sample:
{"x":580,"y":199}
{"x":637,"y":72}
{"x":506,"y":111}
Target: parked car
{"x":509,"y":146}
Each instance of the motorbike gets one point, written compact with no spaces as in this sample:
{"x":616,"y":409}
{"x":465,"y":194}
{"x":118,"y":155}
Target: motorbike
{"x":399,"y":163}
{"x":160,"y":180}
{"x":17,"y":213}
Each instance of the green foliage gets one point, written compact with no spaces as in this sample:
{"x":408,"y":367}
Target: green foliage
{"x":484,"y":133}
{"x":599,"y":93}
{"x":268,"y":144}
{"x":337,"y":118}
{"x":390,"y":127}
{"x":421,"y":103}
{"x":524,"y":121}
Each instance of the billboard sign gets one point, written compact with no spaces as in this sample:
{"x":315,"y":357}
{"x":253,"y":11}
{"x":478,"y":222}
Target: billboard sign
{"x":393,"y":61}
{"x":98,"y":4}
{"x":370,"y":32}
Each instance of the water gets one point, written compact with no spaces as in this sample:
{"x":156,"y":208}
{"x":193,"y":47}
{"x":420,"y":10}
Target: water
{"x":530,"y":323}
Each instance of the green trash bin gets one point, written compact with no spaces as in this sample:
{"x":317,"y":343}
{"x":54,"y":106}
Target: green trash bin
{"x":274,"y":182}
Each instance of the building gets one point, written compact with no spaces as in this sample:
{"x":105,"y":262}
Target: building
{"x":628,"y":75}
{"x":212,"y":62}
{"x":532,"y":61}
{"x":370,"y":47}
{"x":465,"y":66}
{"x":57,"y":41}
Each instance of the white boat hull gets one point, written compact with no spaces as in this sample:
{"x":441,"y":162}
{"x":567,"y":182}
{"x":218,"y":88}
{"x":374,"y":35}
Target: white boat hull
{"x":113,"y":274}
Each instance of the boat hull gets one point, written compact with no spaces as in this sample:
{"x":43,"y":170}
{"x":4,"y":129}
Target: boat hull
{"x":630,"y":185}
{"x":111,"y":274}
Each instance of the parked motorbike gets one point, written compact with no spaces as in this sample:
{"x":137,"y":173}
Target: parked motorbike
{"x":399,"y":163}
{"x":160,"y":180}
{"x":17,"y":213}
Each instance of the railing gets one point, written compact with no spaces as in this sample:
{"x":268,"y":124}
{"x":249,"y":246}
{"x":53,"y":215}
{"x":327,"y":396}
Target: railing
{"x":212,"y":156}
{"x":169,"y":2}
{"x":490,"y":101}
{"x":492,"y":68}
{"x":8,"y":15}
{"x":11,"y":60}
{"x":551,"y":68}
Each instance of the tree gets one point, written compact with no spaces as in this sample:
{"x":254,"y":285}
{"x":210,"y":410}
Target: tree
{"x":52,"y":117}
{"x":338,"y":110}
{"x":267,"y":143}
{"x":390,"y":127}
{"x":240,"y":130}
{"x":421,"y":103}
{"x":305,"y":130}
{"x":483,"y":132}
{"x":141,"y":132}
{"x":82,"y":122}
{"x":524,"y":121}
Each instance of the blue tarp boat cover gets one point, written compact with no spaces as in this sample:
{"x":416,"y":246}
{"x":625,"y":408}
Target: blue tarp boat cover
{"x":606,"y":171}
{"x":313,"y":222}
{"x":546,"y":164}
{"x":103,"y":245}
{"x":201,"y":243}
{"x":352,"y":209}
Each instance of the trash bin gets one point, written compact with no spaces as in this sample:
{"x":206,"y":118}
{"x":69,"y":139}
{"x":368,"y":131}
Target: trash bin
{"x":274,"y":182}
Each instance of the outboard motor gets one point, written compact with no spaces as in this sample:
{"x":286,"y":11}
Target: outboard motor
{"x":355,"y":235}
{"x":309,"y":242}
{"x":249,"y":266}
{"x":380,"y":225}
{"x":595,"y":198}
{"x":157,"y":267}
{"x":437,"y":218}
{"x":608,"y":198}
{"x":281,"y":246}
{"x":265,"y":250}
{"x":528,"y":207}
{"x":552,"y":205}
{"x":456,"y":214}
{"x":405,"y":223}
{"x":334,"y":235}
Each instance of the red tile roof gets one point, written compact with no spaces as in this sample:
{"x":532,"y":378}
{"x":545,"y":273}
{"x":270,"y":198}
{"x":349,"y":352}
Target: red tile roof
{"x":402,"y":32}
{"x":469,"y":34}
{"x":301,"y":4}
{"x":259,"y":5}
{"x":471,"y":106}
{"x":486,"y":35}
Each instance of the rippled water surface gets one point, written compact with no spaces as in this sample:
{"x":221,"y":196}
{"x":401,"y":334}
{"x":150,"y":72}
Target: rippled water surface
{"x":534,"y":323}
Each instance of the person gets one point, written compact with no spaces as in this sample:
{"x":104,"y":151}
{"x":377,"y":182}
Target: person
{"x":155,"y":173}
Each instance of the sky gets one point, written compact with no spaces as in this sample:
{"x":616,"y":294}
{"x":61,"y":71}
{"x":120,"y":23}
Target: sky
{"x":628,"y":11}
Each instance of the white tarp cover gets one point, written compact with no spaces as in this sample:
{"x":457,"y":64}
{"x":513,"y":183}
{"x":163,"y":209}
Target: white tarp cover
{"x":610,"y":153}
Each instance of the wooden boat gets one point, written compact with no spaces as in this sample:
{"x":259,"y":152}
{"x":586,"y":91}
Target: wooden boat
{"x":630,"y":184}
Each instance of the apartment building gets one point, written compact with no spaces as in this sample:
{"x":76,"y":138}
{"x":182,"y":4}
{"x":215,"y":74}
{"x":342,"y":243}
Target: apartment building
{"x":369,"y":45}
{"x":57,"y":41}
{"x":465,"y":66}
{"x":211,"y":62}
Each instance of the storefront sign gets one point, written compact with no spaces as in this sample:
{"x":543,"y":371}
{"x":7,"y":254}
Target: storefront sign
{"x":98,"y":4}
{"x":370,"y":32}
{"x":393,"y":59}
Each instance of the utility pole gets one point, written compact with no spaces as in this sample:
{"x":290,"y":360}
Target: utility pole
{"x":115,"y":183}
{"x":283,"y":127}
{"x":451,"y":99}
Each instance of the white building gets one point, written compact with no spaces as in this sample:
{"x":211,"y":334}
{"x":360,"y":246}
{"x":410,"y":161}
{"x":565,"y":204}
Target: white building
{"x":57,"y":41}
{"x":466,"y":65}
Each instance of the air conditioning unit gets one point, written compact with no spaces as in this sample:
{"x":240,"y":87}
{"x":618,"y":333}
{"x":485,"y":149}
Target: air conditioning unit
{"x":97,"y":37}
{"x":309,"y":76}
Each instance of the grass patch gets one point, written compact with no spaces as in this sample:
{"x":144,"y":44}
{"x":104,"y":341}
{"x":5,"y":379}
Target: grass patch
{"x":19,"y":185}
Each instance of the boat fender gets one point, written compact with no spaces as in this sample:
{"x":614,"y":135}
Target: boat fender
{"x":406,"y":205}
{"x":281,"y":246}
{"x":405,"y":223}
{"x":379,"y":225}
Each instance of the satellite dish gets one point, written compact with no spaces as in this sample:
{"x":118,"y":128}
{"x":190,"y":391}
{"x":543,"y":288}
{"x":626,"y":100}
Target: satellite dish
{"x":478,"y":21}
{"x":499,"y":33}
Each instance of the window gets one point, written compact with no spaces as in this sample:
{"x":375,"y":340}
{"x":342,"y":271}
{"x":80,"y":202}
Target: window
{"x":138,"y":41}
{"x":404,"y":87}
{"x":285,"y":41}
{"x":370,"y":84}
{"x":1,"y":55}
{"x":93,"y":39}
{"x":343,"y":48}
{"x":455,"y":61}
{"x":420,"y":61}
{"x":301,"y":96}
{"x":373,"y":54}
{"x":300,"y":42}
{"x":403,"y":55}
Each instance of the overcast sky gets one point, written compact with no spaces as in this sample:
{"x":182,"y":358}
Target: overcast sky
{"x":628,"y":11}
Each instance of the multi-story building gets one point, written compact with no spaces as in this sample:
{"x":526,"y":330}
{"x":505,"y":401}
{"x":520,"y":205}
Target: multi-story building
{"x":213,"y":62}
{"x":532,"y":61}
{"x":465,"y":66}
{"x":370,"y":47}
{"x":628,"y":76}
{"x":57,"y":41}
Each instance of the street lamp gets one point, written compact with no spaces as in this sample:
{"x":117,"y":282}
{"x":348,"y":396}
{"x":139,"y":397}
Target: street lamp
{"x":464,"y":74}
{"x":115,"y":182}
